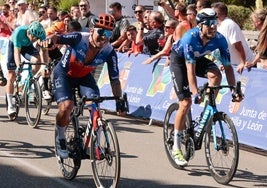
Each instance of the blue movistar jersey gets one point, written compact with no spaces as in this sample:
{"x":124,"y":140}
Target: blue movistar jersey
{"x":191,"y":48}
{"x":73,"y":60}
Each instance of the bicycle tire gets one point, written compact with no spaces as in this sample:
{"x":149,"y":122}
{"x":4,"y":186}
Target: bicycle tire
{"x":105,"y":156}
{"x":70,"y":166}
{"x":33,"y":103}
{"x":223,"y":161}
{"x":168,"y":135}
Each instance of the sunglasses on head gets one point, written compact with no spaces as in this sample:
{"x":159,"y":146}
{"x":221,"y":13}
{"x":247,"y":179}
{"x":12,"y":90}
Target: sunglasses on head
{"x":103,"y":32}
{"x":210,"y":22}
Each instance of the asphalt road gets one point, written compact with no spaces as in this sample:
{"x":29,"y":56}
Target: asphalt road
{"x":27,"y":158}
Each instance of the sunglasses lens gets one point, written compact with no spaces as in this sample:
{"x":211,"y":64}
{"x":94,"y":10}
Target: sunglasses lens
{"x":104,"y":32}
{"x":210,"y":22}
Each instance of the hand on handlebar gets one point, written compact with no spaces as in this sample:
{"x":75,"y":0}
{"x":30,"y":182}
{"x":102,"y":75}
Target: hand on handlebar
{"x":197,"y":98}
{"x":122,"y":105}
{"x":237,"y":95}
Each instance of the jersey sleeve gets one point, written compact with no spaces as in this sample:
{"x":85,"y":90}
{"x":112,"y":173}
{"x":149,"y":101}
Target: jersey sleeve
{"x":71,"y":39}
{"x":113,"y":69}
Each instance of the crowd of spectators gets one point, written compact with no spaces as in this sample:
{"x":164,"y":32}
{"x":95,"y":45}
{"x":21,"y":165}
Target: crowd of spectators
{"x":151,"y":33}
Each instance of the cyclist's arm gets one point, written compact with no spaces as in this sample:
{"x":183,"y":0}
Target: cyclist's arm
{"x":230,"y":76}
{"x":191,"y":76}
{"x":68,"y":39}
{"x":17,"y":56}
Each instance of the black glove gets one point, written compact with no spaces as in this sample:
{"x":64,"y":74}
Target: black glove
{"x":121,"y":106}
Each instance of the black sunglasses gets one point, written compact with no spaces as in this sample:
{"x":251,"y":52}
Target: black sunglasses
{"x":138,"y":11}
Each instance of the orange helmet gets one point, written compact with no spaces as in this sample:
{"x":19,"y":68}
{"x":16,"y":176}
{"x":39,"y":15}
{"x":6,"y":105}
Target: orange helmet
{"x":57,"y":27}
{"x":104,"y":21}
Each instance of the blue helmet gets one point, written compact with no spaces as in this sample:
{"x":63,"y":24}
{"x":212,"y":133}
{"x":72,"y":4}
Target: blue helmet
{"x":37,"y":30}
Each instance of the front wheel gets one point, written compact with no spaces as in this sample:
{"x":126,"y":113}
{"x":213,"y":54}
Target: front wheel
{"x":168,"y":136}
{"x":105,"y":156}
{"x":221,"y":148}
{"x":33,"y":103}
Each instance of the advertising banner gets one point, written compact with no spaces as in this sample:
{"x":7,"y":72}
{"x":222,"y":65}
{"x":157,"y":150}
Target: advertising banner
{"x":150,"y":92}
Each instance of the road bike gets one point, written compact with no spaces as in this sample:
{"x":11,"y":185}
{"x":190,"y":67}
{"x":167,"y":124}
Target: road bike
{"x":94,"y":139}
{"x":28,"y":94}
{"x":47,"y":103}
{"x":215,"y":128}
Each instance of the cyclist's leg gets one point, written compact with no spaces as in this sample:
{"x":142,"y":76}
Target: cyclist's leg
{"x":181,"y":86}
{"x":88,"y":86}
{"x":64,"y":99}
{"x":32,"y":54}
{"x":205,"y":68}
{"x":11,"y":76}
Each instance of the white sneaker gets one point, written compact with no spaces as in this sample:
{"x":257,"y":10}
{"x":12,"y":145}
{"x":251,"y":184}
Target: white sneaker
{"x":46,"y":95}
{"x":61,"y":148}
{"x":11,"y":110}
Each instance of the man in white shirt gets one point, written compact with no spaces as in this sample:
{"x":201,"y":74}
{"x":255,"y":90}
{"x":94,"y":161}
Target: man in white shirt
{"x":238,"y":47}
{"x":25,"y":16}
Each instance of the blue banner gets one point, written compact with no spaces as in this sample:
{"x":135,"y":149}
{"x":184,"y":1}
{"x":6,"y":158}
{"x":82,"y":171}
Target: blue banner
{"x":150,"y":92}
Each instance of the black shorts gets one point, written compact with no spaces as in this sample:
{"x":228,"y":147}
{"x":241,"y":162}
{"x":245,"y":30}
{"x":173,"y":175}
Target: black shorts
{"x":26,"y":51}
{"x":179,"y":73}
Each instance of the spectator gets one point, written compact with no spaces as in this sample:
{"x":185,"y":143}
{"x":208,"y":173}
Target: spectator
{"x":42,"y":17}
{"x":75,"y":12}
{"x":52,"y":15}
{"x":202,"y":4}
{"x":184,"y":24}
{"x":32,"y":7}
{"x":12,"y":3}
{"x":86,"y":15}
{"x":7,"y":24}
{"x":25,"y":16}
{"x":121,"y":24}
{"x":138,"y":14}
{"x":132,"y":47}
{"x":168,"y":32}
{"x":258,"y":17}
{"x":240,"y":52}
{"x":146,"y":21}
{"x":261,"y":48}
{"x":14,"y":14}
{"x":150,"y":39}
{"x":191,"y":14}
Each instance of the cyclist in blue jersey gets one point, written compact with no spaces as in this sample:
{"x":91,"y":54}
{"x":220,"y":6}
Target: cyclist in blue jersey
{"x":84,"y":53}
{"x":188,"y":61}
{"x":21,"y":43}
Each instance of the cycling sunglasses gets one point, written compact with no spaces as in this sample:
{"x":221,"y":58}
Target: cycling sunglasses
{"x":103,"y":32}
{"x":210,"y":22}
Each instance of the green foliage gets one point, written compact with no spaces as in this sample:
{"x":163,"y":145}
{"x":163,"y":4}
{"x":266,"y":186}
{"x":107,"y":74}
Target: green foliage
{"x":240,"y":14}
{"x":66,"y":4}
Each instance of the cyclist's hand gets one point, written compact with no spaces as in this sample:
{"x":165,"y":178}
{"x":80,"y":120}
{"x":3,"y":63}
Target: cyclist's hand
{"x":197,"y":99}
{"x":18,"y":70}
{"x":237,"y":97}
{"x":121,"y":107}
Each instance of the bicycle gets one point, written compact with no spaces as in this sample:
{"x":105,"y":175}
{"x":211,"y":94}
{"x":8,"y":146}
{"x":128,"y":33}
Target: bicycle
{"x":29,"y":94}
{"x":47,"y":103}
{"x":217,"y":130}
{"x":95,"y":140}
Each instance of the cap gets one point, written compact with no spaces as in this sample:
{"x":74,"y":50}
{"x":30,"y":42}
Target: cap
{"x":21,"y":2}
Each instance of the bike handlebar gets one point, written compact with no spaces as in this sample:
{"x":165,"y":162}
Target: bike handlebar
{"x":237,"y":92}
{"x":100,"y":99}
